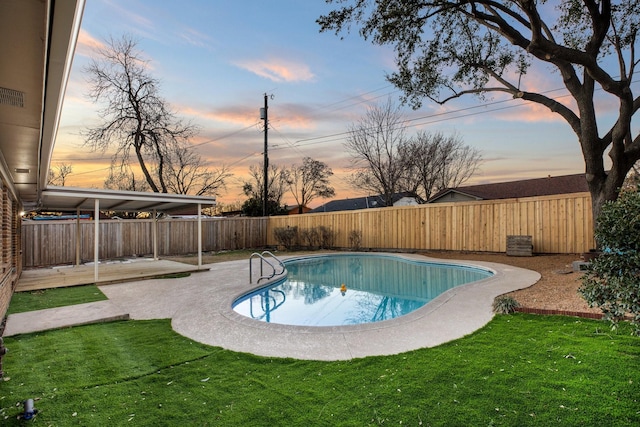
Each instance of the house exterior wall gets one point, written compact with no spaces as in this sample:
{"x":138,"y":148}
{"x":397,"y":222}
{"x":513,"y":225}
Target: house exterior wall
{"x":406,"y":201}
{"x":10,"y":247}
{"x":453,"y":197}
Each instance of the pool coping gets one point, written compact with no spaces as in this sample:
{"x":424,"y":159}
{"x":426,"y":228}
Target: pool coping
{"x":200,"y":308}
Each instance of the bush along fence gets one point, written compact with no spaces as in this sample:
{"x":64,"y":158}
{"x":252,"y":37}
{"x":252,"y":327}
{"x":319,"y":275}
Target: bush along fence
{"x":558,"y":224}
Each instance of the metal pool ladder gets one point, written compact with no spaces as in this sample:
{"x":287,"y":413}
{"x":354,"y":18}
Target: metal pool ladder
{"x":263,"y":260}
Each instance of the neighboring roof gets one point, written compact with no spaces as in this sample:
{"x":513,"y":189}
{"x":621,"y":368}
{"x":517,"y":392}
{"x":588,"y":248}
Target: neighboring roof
{"x":366,"y":202}
{"x":548,"y":186}
{"x":294,"y":209}
{"x":64,"y":198}
{"x":37,"y":40}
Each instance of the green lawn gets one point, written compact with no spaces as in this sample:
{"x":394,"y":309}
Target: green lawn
{"x":57,"y":297}
{"x":518,"y":370}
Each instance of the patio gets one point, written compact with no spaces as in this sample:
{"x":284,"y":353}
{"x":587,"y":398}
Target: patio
{"x":110,"y":272}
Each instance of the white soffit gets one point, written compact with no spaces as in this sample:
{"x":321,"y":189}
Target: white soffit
{"x":71,"y":198}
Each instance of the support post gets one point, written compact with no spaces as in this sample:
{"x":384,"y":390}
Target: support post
{"x":96,"y":239}
{"x":78,"y":237}
{"x":199,"y":236}
{"x":154,"y":224}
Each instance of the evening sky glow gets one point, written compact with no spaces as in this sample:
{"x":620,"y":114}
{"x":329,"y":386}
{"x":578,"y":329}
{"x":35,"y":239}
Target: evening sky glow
{"x":216,"y":60}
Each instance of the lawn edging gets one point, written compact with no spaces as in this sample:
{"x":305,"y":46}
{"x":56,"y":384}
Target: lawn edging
{"x":552,"y":312}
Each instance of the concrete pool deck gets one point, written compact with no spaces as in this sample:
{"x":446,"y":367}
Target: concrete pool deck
{"x":199,"y":307}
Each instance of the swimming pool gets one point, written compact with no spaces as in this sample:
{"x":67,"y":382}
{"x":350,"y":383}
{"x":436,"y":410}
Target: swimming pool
{"x":351,"y":289}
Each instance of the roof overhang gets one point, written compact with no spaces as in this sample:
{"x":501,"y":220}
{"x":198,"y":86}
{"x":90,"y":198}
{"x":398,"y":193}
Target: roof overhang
{"x":57,"y":199}
{"x":37,"y":41}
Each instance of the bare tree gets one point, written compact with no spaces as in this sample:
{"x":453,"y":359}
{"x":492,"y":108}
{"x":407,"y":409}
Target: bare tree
{"x":187,"y":173}
{"x":446,"y":49}
{"x":374,"y":143}
{"x":59,"y":175}
{"x":434,"y":162}
{"x":221,"y":208}
{"x":135,"y":119}
{"x":309,"y":181}
{"x":124,"y":179}
{"x":276,"y":187}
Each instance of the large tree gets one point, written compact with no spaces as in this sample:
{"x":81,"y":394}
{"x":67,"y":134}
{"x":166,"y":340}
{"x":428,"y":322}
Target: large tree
{"x":433,"y":162}
{"x":447,"y":49}
{"x":387,"y":160}
{"x":309,"y":181}
{"x":374,"y":145}
{"x":135,"y":119}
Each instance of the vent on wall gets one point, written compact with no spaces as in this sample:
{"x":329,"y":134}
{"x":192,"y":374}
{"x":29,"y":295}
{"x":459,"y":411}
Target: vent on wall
{"x":11,"y":97}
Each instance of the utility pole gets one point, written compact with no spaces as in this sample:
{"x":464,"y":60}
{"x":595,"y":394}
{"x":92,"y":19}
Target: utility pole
{"x":264,"y":116}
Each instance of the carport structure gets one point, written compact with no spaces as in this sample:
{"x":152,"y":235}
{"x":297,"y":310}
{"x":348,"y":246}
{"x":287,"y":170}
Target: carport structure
{"x":82,"y":199}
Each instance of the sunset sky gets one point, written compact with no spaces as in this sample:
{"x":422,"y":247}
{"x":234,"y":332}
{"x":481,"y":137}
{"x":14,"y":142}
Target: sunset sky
{"x":216,"y":60}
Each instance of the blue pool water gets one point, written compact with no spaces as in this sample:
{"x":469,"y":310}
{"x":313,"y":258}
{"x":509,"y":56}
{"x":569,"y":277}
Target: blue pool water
{"x":376,"y":288}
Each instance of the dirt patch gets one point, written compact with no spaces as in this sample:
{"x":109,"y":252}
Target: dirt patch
{"x":557,"y":289}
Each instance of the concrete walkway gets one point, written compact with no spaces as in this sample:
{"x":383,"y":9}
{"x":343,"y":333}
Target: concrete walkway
{"x":62,"y":317}
{"x":199,"y":307}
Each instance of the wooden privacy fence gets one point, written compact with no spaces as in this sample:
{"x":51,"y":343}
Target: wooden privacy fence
{"x":54,"y":242}
{"x":557,"y":224}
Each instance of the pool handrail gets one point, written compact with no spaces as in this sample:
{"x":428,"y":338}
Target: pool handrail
{"x":262,"y":261}
{"x":265,"y":308}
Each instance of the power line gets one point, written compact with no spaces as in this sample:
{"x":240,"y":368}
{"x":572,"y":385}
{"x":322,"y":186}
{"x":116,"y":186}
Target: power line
{"x":292,"y":145}
{"x":91,"y":171}
{"x":289,"y":143}
{"x":356,"y":97}
{"x":335,"y":136}
{"x":339,"y":136}
{"x":226,"y":135}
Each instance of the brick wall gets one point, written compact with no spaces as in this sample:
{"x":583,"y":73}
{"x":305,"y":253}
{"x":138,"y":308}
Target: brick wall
{"x":10,"y":247}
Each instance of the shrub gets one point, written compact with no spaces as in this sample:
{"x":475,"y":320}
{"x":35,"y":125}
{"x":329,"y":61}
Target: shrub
{"x":327,"y":237}
{"x":310,"y":237}
{"x":612,"y":280}
{"x":505,"y":305}
{"x":355,"y":239}
{"x":286,"y":236}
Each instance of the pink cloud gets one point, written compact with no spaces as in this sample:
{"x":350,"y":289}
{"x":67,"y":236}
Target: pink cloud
{"x":292,"y":116}
{"x":289,"y":116}
{"x":234,"y":116}
{"x":194,"y":37}
{"x":87,"y":44}
{"x":278,"y":70}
